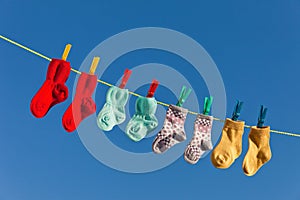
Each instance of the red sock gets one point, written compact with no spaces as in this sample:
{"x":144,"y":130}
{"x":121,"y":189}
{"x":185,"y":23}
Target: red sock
{"x":53,"y":90}
{"x":83,"y":105}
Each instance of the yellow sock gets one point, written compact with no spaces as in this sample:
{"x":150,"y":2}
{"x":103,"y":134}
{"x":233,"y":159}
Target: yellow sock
{"x":259,"y":151}
{"x":230,"y":146}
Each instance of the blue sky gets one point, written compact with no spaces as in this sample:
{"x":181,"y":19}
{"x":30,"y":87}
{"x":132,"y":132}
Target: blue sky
{"x":254,"y":44}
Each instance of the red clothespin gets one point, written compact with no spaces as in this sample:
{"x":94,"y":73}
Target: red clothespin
{"x":125,"y":78}
{"x":152,"y":88}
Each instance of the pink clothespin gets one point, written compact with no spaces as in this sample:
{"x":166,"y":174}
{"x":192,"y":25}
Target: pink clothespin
{"x":125,"y":78}
{"x":152,"y":88}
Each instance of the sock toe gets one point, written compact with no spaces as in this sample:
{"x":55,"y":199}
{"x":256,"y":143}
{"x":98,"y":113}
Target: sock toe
{"x":155,"y":142}
{"x":103,"y":122}
{"x":43,"y":100}
{"x":39,"y":108}
{"x":135,"y":131}
{"x":68,"y":120}
{"x":248,"y":170}
{"x":191,"y":155}
{"x":69,"y":124}
{"x":161,"y":145}
{"x":155,"y":149}
{"x":221,"y":160}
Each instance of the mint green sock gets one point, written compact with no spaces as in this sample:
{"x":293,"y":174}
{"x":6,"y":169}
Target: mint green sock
{"x":144,"y":120}
{"x":113,"y":111}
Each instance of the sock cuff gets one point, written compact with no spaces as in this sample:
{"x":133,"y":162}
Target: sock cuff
{"x":86,"y":84}
{"x":204,"y":120}
{"x":53,"y":69}
{"x":117,"y":96}
{"x":237,"y":125}
{"x":145,"y":105}
{"x":184,"y":111}
{"x":202,"y":116}
{"x":61,"y":71}
{"x":260,"y":131}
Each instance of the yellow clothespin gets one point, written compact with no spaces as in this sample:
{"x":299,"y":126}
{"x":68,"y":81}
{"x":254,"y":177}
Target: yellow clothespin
{"x":66,"y":52}
{"x":94,"y":65}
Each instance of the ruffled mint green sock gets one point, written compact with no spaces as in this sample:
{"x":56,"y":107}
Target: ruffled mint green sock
{"x":113,"y":111}
{"x":144,"y":120}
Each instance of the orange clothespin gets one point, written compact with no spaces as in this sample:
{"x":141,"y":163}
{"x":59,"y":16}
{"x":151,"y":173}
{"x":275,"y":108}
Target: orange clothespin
{"x":94,"y":65}
{"x":66,"y":52}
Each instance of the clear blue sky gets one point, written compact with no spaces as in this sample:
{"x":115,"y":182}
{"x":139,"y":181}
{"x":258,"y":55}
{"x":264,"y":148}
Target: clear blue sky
{"x":254,"y":44}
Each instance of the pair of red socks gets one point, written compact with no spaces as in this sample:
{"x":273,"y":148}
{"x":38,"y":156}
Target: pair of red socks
{"x":54,"y":91}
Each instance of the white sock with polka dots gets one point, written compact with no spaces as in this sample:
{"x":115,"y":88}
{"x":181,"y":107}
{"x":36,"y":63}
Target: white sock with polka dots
{"x":173,"y":130}
{"x":201,"y":141}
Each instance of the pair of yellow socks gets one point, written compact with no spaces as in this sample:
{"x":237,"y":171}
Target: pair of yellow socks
{"x":230,"y":147}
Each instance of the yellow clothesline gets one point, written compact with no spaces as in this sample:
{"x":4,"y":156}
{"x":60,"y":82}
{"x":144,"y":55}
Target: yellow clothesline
{"x":132,"y":93}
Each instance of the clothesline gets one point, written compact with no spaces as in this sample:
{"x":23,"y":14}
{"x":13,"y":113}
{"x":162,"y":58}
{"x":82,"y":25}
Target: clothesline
{"x":132,"y":93}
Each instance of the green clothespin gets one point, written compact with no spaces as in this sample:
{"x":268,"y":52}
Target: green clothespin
{"x":262,"y":116}
{"x":207,"y":105}
{"x":237,"y":110}
{"x":183,"y":95}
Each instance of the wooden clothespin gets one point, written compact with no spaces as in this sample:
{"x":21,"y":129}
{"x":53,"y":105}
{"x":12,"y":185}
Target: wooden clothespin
{"x":94,"y":65}
{"x":66,"y":52}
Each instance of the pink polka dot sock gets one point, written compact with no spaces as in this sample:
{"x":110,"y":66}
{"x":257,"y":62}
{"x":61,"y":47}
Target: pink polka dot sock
{"x":201,"y":141}
{"x":173,"y":130}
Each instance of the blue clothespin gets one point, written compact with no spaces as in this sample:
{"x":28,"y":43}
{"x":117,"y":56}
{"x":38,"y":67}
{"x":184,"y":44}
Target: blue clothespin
{"x":237,"y":110}
{"x":262,"y":116}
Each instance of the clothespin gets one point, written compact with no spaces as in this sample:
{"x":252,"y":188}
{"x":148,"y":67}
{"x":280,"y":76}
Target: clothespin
{"x":125,"y":78}
{"x":94,"y":65}
{"x":183,"y":95}
{"x":207,"y":105}
{"x":262,"y":116}
{"x":237,"y":110}
{"x":152,"y":88}
{"x":66,"y":52}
